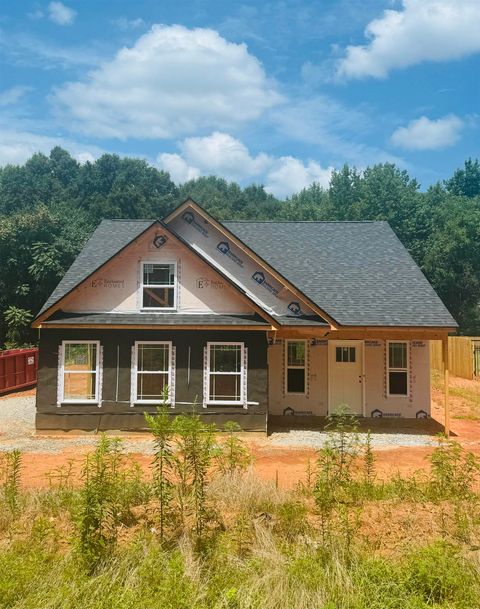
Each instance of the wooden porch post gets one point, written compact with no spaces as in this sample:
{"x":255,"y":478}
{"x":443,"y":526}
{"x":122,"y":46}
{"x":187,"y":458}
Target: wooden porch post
{"x":445,"y":380}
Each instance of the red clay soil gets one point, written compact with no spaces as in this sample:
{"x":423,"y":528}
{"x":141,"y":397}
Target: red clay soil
{"x":289,"y":465}
{"x":26,"y":393}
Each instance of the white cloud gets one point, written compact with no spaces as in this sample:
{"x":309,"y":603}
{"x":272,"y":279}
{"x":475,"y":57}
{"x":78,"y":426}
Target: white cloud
{"x":173,"y":81}
{"x":122,"y":23}
{"x":13,"y":95}
{"x":426,"y":134}
{"x":61,"y":14}
{"x":16,"y":146}
{"x":225,"y":156}
{"x":289,"y":175}
{"x":423,"y":30}
{"x":178,"y":168}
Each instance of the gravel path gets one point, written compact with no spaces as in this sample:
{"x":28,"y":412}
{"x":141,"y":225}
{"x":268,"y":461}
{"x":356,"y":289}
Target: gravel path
{"x":317,"y":439}
{"x":17,"y":430}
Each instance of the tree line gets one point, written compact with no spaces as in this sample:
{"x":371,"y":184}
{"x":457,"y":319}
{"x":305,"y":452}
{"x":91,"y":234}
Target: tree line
{"x":50,"y":206}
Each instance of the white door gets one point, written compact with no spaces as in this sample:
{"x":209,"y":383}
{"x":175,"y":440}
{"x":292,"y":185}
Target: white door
{"x":345,"y":375}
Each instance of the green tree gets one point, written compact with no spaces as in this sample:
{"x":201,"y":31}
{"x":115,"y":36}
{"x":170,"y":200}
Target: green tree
{"x":452,"y":259}
{"x":465,"y":182}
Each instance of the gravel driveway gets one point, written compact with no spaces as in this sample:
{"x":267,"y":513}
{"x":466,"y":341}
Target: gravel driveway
{"x":17,"y":430}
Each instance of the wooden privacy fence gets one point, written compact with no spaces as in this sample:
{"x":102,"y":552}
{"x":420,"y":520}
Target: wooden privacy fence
{"x":463,"y":356}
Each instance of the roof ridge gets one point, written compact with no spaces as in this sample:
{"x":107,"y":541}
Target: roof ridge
{"x":128,"y":220}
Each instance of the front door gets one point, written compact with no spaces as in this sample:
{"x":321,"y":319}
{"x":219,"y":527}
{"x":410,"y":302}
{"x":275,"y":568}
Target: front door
{"x":345,"y":375}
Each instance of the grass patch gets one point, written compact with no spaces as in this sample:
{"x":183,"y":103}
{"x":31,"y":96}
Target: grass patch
{"x":343,"y":540}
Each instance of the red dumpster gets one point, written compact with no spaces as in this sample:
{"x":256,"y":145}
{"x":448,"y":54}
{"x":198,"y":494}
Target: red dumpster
{"x":18,"y":368}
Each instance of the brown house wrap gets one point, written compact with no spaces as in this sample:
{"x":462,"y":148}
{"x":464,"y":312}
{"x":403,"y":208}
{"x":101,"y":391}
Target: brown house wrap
{"x":117,"y":413}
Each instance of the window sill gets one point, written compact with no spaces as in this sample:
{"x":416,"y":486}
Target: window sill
{"x":157,"y":310}
{"x":152,"y":403}
{"x":67,"y":402}
{"x":224,"y":403}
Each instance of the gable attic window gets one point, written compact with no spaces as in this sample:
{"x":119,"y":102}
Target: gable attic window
{"x":159,"y":286}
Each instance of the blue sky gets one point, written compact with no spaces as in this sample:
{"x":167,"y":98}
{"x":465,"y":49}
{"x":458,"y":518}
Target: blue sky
{"x":277,"y":93}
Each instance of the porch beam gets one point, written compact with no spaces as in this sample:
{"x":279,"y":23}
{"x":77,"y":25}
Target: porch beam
{"x":361,"y":334}
{"x":446,"y":387}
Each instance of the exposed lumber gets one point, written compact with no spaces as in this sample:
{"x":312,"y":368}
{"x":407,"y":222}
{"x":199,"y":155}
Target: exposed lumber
{"x":446,"y":388}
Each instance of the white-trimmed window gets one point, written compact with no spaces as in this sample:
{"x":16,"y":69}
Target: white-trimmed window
{"x":80,"y":371}
{"x":152,"y":372}
{"x":159,"y":286}
{"x":295,"y":366}
{"x":226,"y":373}
{"x":397,"y":368}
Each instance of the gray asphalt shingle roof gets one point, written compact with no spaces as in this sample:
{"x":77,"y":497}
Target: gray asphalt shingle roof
{"x":357,"y":272}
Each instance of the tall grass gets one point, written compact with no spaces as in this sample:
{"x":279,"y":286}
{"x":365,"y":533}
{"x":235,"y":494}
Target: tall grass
{"x":341,"y":540}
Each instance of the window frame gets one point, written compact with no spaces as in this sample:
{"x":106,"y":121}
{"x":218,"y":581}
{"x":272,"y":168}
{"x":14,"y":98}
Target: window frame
{"x":304,"y":367}
{"x":175,"y":285}
{"x":136,"y":372}
{"x":389,"y":369}
{"x":241,"y":374}
{"x":96,"y":400}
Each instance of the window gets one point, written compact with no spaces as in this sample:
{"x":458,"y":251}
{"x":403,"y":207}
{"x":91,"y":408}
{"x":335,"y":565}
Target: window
{"x":158,"y":286}
{"x":153,"y":371}
{"x":226,"y":373}
{"x":345,"y":354}
{"x":397,"y":368}
{"x":80,"y":371}
{"x":295,"y":365}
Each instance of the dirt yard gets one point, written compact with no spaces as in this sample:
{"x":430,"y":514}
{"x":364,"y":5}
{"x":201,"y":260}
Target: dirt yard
{"x":276,"y":457}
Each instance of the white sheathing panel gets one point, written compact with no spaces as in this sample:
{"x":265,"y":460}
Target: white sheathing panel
{"x":315,"y":400}
{"x":116,"y":287}
{"x":236,"y":264}
{"x":377,"y":403}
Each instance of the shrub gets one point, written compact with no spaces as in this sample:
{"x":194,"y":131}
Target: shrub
{"x":163,"y":463}
{"x":99,"y":513}
{"x":12,"y":463}
{"x":454,"y":471}
{"x":233,"y":456}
